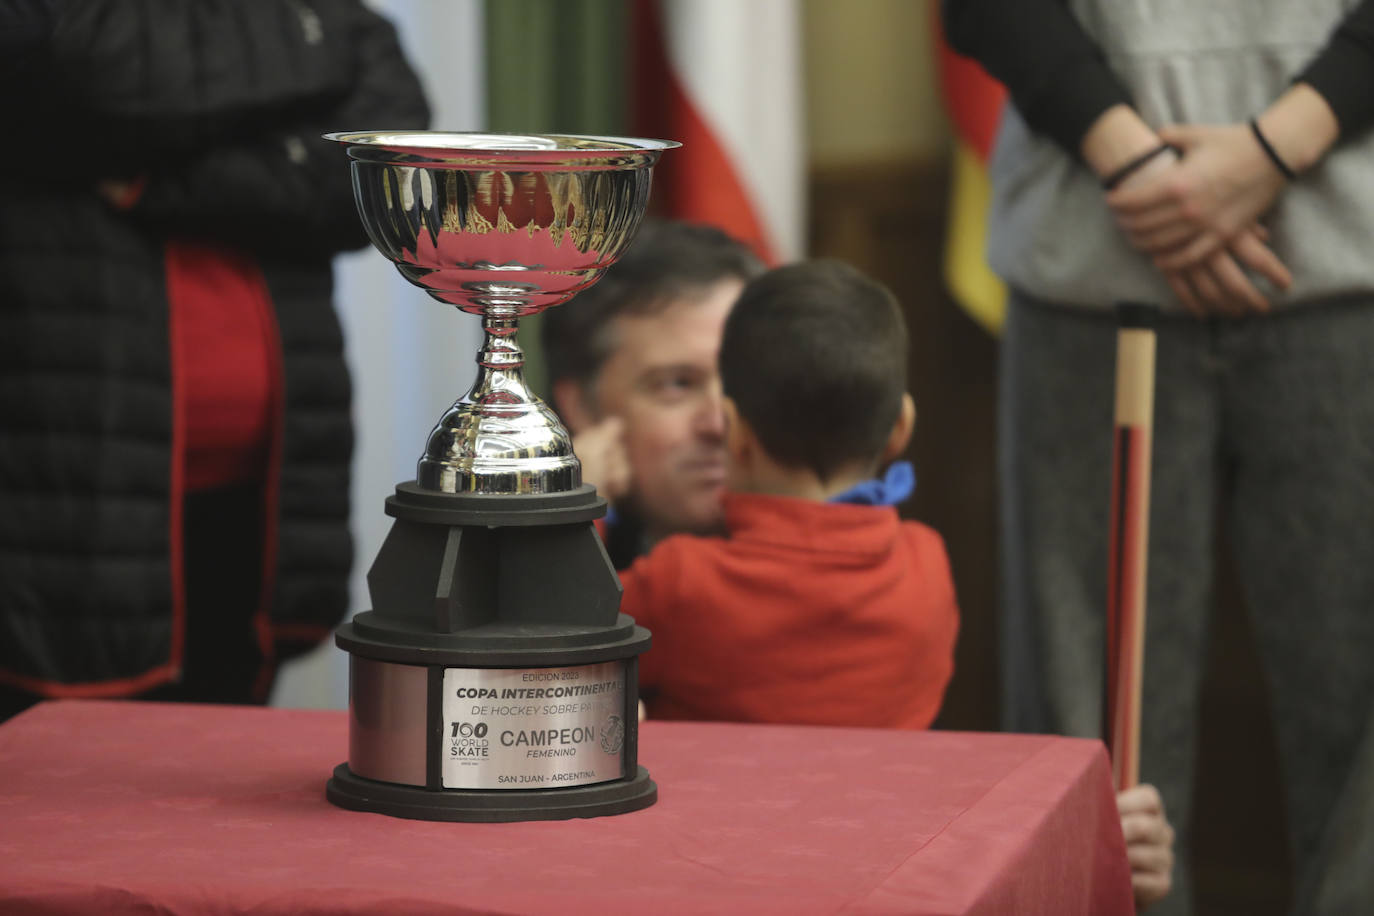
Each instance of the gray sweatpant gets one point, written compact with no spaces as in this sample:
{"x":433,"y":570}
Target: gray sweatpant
{"x":1270,"y":418}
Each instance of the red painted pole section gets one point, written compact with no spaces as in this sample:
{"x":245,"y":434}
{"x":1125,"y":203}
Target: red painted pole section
{"x":1129,"y":539}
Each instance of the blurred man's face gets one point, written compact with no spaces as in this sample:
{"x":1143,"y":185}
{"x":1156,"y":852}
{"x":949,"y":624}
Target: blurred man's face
{"x":661,"y":380}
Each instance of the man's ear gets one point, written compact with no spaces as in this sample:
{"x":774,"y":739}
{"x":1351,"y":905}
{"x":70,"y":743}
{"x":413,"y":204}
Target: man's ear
{"x":900,"y":437}
{"x":573,"y":405}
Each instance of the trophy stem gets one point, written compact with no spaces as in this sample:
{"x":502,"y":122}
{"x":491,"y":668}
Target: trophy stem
{"x":501,"y":350}
{"x":500,"y":438}
{"x":500,"y":388}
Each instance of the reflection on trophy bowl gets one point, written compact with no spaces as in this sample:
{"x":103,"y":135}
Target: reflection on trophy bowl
{"x":500,"y":226}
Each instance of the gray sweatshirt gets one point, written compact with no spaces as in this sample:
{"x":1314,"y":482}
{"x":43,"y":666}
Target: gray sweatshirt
{"x":1186,"y":62}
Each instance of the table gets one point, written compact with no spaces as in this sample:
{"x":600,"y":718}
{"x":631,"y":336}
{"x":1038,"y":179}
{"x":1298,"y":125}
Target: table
{"x":111,"y":808}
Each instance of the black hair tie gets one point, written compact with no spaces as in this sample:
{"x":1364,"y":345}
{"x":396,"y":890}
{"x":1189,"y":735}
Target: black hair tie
{"x":1271,"y":152}
{"x":1130,"y":168}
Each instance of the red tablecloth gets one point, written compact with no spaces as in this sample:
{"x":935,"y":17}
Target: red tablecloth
{"x":109,"y":808}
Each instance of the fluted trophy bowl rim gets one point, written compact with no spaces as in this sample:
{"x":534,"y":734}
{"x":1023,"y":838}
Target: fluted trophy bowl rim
{"x":477,"y":149}
{"x":411,"y":156}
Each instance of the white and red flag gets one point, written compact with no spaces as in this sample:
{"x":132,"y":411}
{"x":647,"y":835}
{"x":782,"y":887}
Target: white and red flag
{"x":723,"y":77}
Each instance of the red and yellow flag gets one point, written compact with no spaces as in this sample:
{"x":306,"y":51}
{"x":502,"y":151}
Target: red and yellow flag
{"x":974,"y":101}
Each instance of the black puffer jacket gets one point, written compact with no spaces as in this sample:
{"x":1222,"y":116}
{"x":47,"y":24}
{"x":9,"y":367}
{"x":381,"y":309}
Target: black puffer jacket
{"x":219,"y":105}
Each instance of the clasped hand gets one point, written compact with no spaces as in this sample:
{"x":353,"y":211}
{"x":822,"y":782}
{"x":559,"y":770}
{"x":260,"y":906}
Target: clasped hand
{"x":1196,"y":215}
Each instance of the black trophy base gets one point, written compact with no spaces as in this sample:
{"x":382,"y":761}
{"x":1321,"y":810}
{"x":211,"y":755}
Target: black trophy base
{"x":490,"y":806}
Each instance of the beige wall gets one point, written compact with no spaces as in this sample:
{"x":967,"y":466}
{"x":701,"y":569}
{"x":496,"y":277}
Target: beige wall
{"x":870,"y":82}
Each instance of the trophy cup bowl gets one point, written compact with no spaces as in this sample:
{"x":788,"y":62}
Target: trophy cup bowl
{"x":501,"y":226}
{"x":493,"y":678}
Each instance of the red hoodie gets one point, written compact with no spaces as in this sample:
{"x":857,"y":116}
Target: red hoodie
{"x":806,"y":612}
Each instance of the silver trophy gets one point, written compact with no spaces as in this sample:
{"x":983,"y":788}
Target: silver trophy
{"x":494,"y":677}
{"x":501,"y":227}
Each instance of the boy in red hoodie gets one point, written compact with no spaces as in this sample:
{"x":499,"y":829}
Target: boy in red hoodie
{"x":819,"y":605}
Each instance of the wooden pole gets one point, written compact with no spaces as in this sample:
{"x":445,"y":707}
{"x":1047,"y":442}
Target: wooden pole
{"x":1129,"y":538}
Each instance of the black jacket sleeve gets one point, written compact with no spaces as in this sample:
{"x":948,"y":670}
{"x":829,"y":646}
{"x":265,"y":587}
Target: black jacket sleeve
{"x":25,"y":29}
{"x":282,"y":184}
{"x":1057,"y":77}
{"x":159,"y":78}
{"x":217,"y":106}
{"x":1344,"y":71}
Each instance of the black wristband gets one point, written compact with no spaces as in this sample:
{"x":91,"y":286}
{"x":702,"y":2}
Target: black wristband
{"x":1272,"y":153}
{"x":1125,"y":171}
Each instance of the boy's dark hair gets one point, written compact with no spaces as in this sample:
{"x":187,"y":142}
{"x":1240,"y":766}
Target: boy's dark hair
{"x":666,"y":262}
{"x":814,"y":356}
